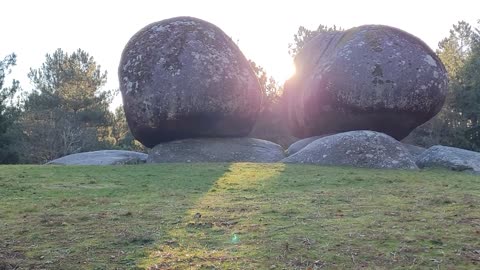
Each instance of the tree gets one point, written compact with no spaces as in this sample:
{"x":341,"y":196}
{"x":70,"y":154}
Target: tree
{"x":121,"y":132}
{"x":67,"y":112}
{"x":271,"y":90}
{"x":457,"y":124}
{"x":460,"y":53}
{"x":304,"y":35}
{"x":455,"y":49}
{"x":7,"y":113}
{"x":270,"y":125}
{"x":466,"y":98}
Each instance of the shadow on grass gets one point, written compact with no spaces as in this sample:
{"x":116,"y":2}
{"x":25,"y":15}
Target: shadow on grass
{"x":216,"y":231}
{"x":237,"y":216}
{"x":277,"y":216}
{"x":91,"y":217}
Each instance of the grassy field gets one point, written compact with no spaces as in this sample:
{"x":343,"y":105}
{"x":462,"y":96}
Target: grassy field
{"x":237,"y":216}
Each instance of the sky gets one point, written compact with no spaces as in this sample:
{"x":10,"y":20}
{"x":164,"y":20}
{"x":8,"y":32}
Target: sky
{"x":262,"y":29}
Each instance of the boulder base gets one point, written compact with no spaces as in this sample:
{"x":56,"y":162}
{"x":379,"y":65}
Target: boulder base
{"x":300,"y":144}
{"x":103,"y":157}
{"x":363,"y":148}
{"x":450,"y":158}
{"x":414,"y":150}
{"x":216,"y":150}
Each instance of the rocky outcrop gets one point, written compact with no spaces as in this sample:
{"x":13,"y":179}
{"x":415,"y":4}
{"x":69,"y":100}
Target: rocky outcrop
{"x":362,"y":148}
{"x":103,"y":157}
{"x":451,"y":158}
{"x":300,"y":144}
{"x":414,"y":150}
{"x":185,"y":78}
{"x":370,"y":77}
{"x":216,"y":150}
{"x":271,"y":126}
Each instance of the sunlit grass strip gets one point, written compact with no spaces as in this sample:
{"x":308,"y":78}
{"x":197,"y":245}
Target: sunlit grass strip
{"x":220,"y":218}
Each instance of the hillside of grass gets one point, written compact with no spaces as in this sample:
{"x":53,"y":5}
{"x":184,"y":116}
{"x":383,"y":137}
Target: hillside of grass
{"x":237,"y":216}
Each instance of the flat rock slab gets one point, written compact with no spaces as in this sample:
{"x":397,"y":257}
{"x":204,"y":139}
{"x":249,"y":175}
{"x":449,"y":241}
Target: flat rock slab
{"x":451,"y":158}
{"x":216,"y":150}
{"x":368,"y":149}
{"x":103,"y":157}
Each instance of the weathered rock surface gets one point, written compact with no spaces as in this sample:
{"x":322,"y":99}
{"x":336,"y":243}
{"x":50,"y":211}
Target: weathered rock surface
{"x":185,"y":78}
{"x":414,"y":150}
{"x":370,"y":77}
{"x":362,"y":148}
{"x":216,"y":150}
{"x":451,"y":158}
{"x":300,"y":144}
{"x":103,"y":157}
{"x":271,"y":126}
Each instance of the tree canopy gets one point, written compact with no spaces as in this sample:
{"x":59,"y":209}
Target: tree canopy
{"x":7,"y":112}
{"x":67,"y":111}
{"x":304,"y":35}
{"x":457,"y":124}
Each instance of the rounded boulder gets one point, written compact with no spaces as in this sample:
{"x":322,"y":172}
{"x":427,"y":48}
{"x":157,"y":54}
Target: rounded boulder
{"x":452,"y":158}
{"x":300,"y":144}
{"x":363,"y":148}
{"x":371,"y":77}
{"x":185,"y":78}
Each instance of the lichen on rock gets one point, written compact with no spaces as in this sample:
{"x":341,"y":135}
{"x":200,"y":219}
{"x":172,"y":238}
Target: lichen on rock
{"x":185,"y":78}
{"x":369,"y":77}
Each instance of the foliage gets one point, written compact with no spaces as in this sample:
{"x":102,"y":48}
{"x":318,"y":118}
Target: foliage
{"x":271,"y":90}
{"x":304,"y":35}
{"x":250,"y":216}
{"x":458,"y":123}
{"x":7,"y":111}
{"x":270,"y":125}
{"x":467,"y":94}
{"x":122,"y":134}
{"x":66,"y":112}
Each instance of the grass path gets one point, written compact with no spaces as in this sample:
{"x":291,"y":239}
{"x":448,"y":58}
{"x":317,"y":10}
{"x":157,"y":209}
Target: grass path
{"x":237,"y":216}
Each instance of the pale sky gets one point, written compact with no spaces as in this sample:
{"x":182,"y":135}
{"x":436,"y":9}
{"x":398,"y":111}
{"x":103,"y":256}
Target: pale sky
{"x":263,"y":29}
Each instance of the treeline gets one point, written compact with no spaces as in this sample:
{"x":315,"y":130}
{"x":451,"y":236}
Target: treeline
{"x":67,"y":111}
{"x":458,"y":123}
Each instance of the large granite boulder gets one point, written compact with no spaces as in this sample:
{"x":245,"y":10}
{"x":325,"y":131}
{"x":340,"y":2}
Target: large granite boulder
{"x":362,"y":148}
{"x":300,"y":144}
{"x":102,"y":157}
{"x":185,"y":78}
{"x":451,"y":158}
{"x":370,"y":77}
{"x":216,"y":150}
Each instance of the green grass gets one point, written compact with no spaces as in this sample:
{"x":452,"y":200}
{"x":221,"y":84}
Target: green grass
{"x":253,"y":216}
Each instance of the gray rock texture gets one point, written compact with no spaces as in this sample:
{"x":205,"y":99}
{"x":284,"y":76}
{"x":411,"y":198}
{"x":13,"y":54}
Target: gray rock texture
{"x":451,"y":158}
{"x":370,"y":77}
{"x":414,"y":150}
{"x":103,"y":157}
{"x":300,"y":144}
{"x":216,"y":150}
{"x":362,"y":148}
{"x":185,"y":78}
